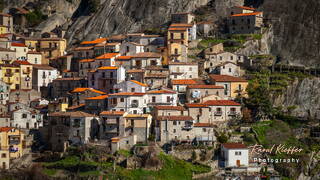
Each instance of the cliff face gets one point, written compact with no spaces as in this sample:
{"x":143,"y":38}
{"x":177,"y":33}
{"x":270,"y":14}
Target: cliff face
{"x":296,"y":30}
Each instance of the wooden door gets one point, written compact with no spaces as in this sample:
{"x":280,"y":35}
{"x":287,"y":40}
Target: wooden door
{"x":238,"y":163}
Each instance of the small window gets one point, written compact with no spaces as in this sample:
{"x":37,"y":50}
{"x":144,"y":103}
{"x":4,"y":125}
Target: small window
{"x":174,"y":130}
{"x":133,"y":89}
{"x":174,"y":122}
{"x":204,"y":129}
{"x":121,"y":99}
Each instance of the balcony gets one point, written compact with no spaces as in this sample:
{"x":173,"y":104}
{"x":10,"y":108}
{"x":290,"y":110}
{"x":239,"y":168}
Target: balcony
{"x":48,"y":48}
{"x":134,"y":105}
{"x":8,"y":74}
{"x":111,"y":122}
{"x":26,"y":71}
{"x":218,"y":113}
{"x":232,"y":113}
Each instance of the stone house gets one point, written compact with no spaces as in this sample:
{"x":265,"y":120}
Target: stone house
{"x":136,"y":74}
{"x":6,"y":23}
{"x":191,"y":28}
{"x":162,"y":97}
{"x":62,"y":63}
{"x":69,"y":128}
{"x":139,"y":125}
{"x":180,"y":70}
{"x":227,"y":68}
{"x":105,"y":60}
{"x":5,"y":120}
{"x":178,"y":39}
{"x":182,"y":17}
{"x":235,"y":155}
{"x":112,"y":123}
{"x":215,"y":48}
{"x":26,"y":119}
{"x":4,"y":92}
{"x":180,"y":85}
{"x":124,"y":61}
{"x":215,"y":59}
{"x":51,"y":48}
{"x":233,"y":86}
{"x":223,"y":110}
{"x":94,"y":105}
{"x":78,"y":95}
{"x":21,"y":50}
{"x":204,"y":28}
{"x":85,"y":65}
{"x":102,"y":48}
{"x":43,"y":75}
{"x":104,"y":78}
{"x":6,"y":55}
{"x":26,"y":77}
{"x":199,"y":112}
{"x":24,"y":96}
{"x":131,"y":48}
{"x":131,"y":102}
{"x":145,"y":59}
{"x":196,"y":93}
{"x":155,"y":81}
{"x":61,"y":86}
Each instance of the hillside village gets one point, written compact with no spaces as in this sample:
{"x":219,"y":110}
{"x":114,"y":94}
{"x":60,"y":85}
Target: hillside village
{"x":128,"y":90}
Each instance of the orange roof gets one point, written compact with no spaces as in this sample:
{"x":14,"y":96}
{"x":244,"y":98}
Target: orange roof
{"x":96,"y":41}
{"x":204,"y":87}
{"x":246,"y":8}
{"x":98,"y":97}
{"x":5,"y":129}
{"x":107,"y":56}
{"x":127,"y":94}
{"x":161,"y":92}
{"x":221,"y":103}
{"x":114,"y":140}
{"x":83,"y":48}
{"x":175,"y":118}
{"x":177,"y":108}
{"x":76,"y":107}
{"x":177,"y":29}
{"x":79,"y":90}
{"x":183,"y":82}
{"x":196,"y":105}
{"x":123,"y":58}
{"x":136,"y":71}
{"x":146,"y":55}
{"x":21,"y":62}
{"x":247,"y":14}
{"x":18,"y":44}
{"x":139,"y":83}
{"x":203,"y":125}
{"x":112,"y":113}
{"x":234,"y":145}
{"x":181,"y":25}
{"x":108,"y":68}
{"x":226,"y":78}
{"x":86,"y":60}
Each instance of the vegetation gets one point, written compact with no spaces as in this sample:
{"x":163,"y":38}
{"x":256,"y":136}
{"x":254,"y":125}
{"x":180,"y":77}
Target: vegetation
{"x":35,"y":17}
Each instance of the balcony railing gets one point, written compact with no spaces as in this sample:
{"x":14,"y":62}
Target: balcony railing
{"x":134,"y":105}
{"x":26,"y":71}
{"x":8,"y":74}
{"x":232,"y":113}
{"x":218,"y":113}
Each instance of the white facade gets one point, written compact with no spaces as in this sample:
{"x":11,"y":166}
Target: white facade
{"x":235,"y":157}
{"x":42,"y":76}
{"x":130,"y":86}
{"x":26,"y":119}
{"x":229,"y":69}
{"x":132,"y":103}
{"x":183,"y":71}
{"x":34,"y":57}
{"x":21,"y":51}
{"x":213,"y":60}
{"x":162,"y":97}
{"x":131,"y":48}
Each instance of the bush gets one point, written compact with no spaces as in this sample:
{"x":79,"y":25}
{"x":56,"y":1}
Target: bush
{"x":223,"y":138}
{"x":36,"y":17}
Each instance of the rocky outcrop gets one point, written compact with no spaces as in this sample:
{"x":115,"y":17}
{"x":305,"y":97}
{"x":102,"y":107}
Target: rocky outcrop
{"x":303,"y":96}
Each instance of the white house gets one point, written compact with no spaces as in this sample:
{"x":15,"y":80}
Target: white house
{"x":34,"y":57}
{"x":21,"y":50}
{"x":43,"y":75}
{"x":131,"y":48}
{"x":4,"y":92}
{"x":235,"y":155}
{"x":227,"y":68}
{"x":107,"y":59}
{"x":214,"y":59}
{"x":192,"y":29}
{"x":131,"y":102}
{"x":182,"y":70}
{"x":130,"y":86}
{"x":162,"y":97}
{"x":27,"y":119}
{"x":145,"y":59}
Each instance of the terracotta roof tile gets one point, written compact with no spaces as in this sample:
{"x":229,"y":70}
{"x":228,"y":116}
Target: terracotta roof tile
{"x":76,"y":107}
{"x":5,"y":129}
{"x":137,"y":115}
{"x":136,"y":71}
{"x":98,"y":97}
{"x":196,"y":105}
{"x":226,"y":78}
{"x":246,"y":8}
{"x":83,"y":48}
{"x":139,"y":83}
{"x":108,"y":56}
{"x":177,"y":108}
{"x":146,"y":55}
{"x":181,"y":25}
{"x":205,"y":87}
{"x":203,"y":125}
{"x":123,"y":58}
{"x":177,"y":29}
{"x":221,"y":103}
{"x":86,"y":60}
{"x":161,"y":92}
{"x":71,"y":114}
{"x":21,"y":62}
{"x":79,"y":90}
{"x":108,"y":68}
{"x":112,"y":113}
{"x":183,"y":82}
{"x":182,"y":63}
{"x":96,"y":41}
{"x":247,"y":14}
{"x":175,"y":118}
{"x":127,"y":94}
{"x":234,"y":146}
{"x":18,"y":44}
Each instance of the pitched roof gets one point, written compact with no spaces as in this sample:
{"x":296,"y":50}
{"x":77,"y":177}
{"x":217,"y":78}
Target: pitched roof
{"x":136,"y":71}
{"x":181,"y":25}
{"x":175,"y":118}
{"x":83,"y":48}
{"x":21,"y":62}
{"x":182,"y":63}
{"x":5,"y":129}
{"x":204,"y":87}
{"x":112,"y":113}
{"x":69,"y":79}
{"x":108,"y":68}
{"x":127,"y":94}
{"x":234,"y":145}
{"x":146,"y":55}
{"x":98,"y":97}
{"x":137,"y":115}
{"x":18,"y":44}
{"x":96,"y":41}
{"x":163,"y":91}
{"x":79,"y":90}
{"x":123,"y":58}
{"x":156,"y":76}
{"x":247,"y":14}
{"x":177,"y":108}
{"x":226,"y":78}
{"x":107,"y":56}
{"x":76,"y":106}
{"x":43,"y":67}
{"x":183,"y":82}
{"x":196,"y":105}
{"x":221,"y":103}
{"x":178,"y":29}
{"x":71,"y":114}
{"x":86,"y":60}
{"x":139,"y":83}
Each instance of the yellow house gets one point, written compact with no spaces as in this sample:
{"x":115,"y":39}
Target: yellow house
{"x":51,"y":48}
{"x":32,"y":43}
{"x":138,"y":124}
{"x":3,"y":29}
{"x":233,"y":86}
{"x":12,"y":140}
{"x":178,"y":43}
{"x":25,"y":74}
{"x":58,"y":107}
{"x":11,"y":75}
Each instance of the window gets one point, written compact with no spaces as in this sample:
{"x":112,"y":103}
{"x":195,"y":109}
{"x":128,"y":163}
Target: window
{"x":220,"y":58}
{"x":35,"y":60}
{"x":204,"y":129}
{"x":238,"y":153}
{"x":190,"y":68}
{"x":133,"y":89}
{"x":153,"y":99}
{"x":174,"y":130}
{"x":240,"y":87}
{"x":182,"y":35}
{"x":3,"y":155}
{"x":171,"y":35}
{"x":135,"y":112}
{"x":229,"y":69}
{"x":231,"y":58}
{"x":24,"y":116}
{"x":128,"y":49}
{"x":233,"y":22}
{"x":174,"y":122}
{"x":176,"y":51}
{"x":111,"y":74}
{"x":211,"y":49}
{"x":168,"y":99}
{"x":211,"y":64}
{"x":121,"y":99}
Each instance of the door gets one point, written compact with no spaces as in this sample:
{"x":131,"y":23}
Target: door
{"x":238,"y":163}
